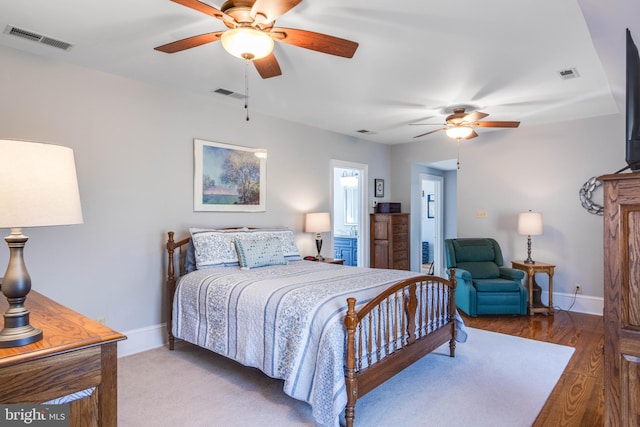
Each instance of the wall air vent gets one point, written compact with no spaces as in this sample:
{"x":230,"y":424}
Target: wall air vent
{"x":569,"y":73}
{"x":229,"y":93}
{"x":38,"y":38}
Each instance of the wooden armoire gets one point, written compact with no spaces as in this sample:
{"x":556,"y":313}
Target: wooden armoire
{"x":621,"y":299}
{"x":389,"y":241}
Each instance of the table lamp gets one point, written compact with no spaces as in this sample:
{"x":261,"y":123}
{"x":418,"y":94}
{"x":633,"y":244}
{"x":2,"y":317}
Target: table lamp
{"x":318,"y":222}
{"x":529,"y":224}
{"x":38,"y":187}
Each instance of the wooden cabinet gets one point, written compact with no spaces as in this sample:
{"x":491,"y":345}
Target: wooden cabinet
{"x":390,"y":241}
{"x":75,"y":354}
{"x":346,"y":248}
{"x":622,"y":299}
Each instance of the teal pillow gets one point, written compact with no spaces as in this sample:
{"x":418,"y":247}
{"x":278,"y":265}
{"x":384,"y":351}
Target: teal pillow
{"x":259,"y":252}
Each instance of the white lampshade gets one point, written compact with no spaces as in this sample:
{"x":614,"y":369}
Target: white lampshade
{"x":247,"y":43}
{"x":319,"y":222}
{"x":530,"y":223}
{"x":38,"y":185}
{"x":458,"y":132}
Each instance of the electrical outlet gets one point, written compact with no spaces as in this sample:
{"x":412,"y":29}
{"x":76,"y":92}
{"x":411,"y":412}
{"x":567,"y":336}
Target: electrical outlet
{"x":481,"y":214}
{"x":577,"y":289}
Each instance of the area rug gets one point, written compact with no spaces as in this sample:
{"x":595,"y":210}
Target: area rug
{"x":494,"y":380}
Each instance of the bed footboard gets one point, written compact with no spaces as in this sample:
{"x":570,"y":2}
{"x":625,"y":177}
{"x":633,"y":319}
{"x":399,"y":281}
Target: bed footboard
{"x":398,"y":327}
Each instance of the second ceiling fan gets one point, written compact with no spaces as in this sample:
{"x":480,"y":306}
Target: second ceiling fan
{"x":460,"y":124}
{"x":255,"y":20}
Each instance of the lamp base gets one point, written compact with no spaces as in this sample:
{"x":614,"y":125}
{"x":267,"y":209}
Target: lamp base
{"x":319,"y":248}
{"x":18,"y":337}
{"x":16,"y":284}
{"x":17,"y":331}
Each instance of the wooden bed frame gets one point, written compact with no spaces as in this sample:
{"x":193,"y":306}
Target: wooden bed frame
{"x":419,"y":325}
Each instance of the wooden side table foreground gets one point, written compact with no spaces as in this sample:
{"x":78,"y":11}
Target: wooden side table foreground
{"x":76,"y":353}
{"x":531,"y":270}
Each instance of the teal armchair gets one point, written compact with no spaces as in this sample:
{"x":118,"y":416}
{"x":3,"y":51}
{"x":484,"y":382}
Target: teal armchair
{"x":485,"y":286}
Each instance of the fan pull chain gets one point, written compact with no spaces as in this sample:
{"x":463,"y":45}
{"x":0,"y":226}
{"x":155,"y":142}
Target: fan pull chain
{"x":458,"y":160}
{"x":246,"y":87}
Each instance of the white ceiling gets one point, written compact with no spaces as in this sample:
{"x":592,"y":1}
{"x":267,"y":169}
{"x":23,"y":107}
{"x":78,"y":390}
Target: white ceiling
{"x":416,"y":60}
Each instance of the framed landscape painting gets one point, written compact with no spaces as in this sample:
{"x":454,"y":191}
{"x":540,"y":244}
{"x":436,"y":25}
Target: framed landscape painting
{"x":228,"y":177}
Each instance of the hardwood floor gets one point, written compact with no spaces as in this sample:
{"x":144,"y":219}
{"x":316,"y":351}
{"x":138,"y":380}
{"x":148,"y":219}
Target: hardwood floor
{"x":577,"y":400}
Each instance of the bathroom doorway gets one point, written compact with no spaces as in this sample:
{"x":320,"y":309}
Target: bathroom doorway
{"x":431,"y":224}
{"x":349,"y":212}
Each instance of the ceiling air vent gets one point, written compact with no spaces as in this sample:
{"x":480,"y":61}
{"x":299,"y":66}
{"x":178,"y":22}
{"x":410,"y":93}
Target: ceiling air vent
{"x":229,"y":93}
{"x":366,"y":132}
{"x":570,"y":73}
{"x":38,"y":38}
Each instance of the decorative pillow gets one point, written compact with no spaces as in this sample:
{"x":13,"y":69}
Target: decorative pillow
{"x":214,"y":248}
{"x":190,"y":261}
{"x":285,"y":235}
{"x":259,"y":252}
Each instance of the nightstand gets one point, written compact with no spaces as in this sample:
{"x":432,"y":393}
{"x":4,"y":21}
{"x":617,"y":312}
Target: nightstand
{"x":75,"y":354}
{"x":332,"y":261}
{"x":531,"y":270}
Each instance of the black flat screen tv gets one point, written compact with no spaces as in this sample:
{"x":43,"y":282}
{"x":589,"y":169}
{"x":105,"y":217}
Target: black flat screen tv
{"x":633,"y":105}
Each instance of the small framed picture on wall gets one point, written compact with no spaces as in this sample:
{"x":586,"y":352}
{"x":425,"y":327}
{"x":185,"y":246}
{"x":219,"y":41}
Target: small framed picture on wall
{"x":379,"y":184}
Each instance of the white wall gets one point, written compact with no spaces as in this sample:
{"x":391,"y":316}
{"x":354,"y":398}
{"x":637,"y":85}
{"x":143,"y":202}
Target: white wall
{"x":540,"y":168}
{"x":133,"y":145}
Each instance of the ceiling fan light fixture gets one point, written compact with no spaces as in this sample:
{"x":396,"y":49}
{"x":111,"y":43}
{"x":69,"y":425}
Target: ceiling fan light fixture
{"x":459,"y":132}
{"x":247,"y":43}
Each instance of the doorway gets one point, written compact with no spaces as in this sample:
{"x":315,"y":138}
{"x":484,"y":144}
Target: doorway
{"x":349,"y":212}
{"x":431,"y":224}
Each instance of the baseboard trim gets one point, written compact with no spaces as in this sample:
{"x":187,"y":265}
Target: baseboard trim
{"x":578,"y":303}
{"x":143,"y":339}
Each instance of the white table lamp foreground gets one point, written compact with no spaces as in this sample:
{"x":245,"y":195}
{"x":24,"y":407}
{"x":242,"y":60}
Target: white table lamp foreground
{"x":38,"y":187}
{"x":529,"y":224}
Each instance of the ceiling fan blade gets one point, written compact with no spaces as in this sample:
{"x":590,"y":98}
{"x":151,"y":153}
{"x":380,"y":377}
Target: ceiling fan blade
{"x":205,"y":8}
{"x":474,"y":117}
{"x":268,"y":66}
{"x":430,"y":132}
{"x":316,"y":41}
{"x":271,"y":9}
{"x":472,"y":135}
{"x":497,"y":124}
{"x":189,"y":42}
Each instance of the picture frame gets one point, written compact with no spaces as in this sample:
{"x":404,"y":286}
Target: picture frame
{"x":379,"y":187}
{"x":218,"y":185}
{"x":431,"y":206}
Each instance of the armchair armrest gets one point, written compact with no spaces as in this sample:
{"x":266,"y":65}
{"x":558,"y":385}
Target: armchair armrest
{"x":462,"y":274}
{"x":511,"y":273}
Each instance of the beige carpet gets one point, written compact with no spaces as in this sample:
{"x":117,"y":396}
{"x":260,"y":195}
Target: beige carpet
{"x":494,"y":380}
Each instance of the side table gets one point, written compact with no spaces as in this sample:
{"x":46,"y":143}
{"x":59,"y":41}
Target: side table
{"x":75,"y":354}
{"x":531,"y":270}
{"x":332,"y":261}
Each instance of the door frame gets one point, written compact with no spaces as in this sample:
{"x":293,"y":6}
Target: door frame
{"x":363,"y":186}
{"x":438,"y":246}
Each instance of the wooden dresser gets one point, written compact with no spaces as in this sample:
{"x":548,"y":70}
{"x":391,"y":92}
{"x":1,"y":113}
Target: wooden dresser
{"x":390,"y":241}
{"x":621,"y":299}
{"x":75,"y":354}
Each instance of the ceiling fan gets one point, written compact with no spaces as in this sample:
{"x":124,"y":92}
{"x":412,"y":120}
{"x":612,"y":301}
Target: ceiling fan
{"x":460,"y":124}
{"x":252,"y":31}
